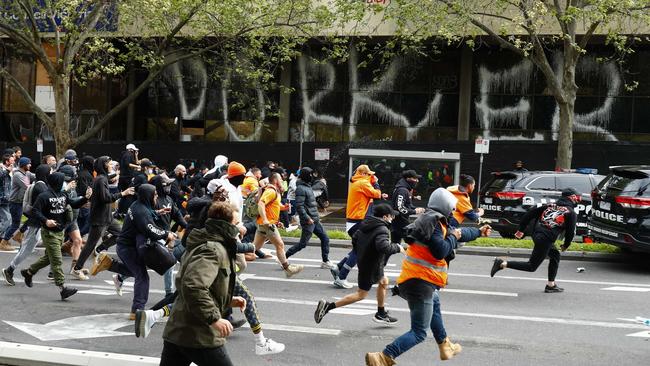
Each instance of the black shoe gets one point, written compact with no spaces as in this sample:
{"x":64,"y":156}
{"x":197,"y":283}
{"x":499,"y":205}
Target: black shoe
{"x":555,"y":288}
{"x":496,"y":267}
{"x":28,"y":277}
{"x":8,"y":274}
{"x":67,"y":292}
{"x":321,"y":310}
{"x":335,"y":272}
{"x":394,"y":291}
{"x":238,"y":323}
{"x":384,"y":318}
{"x":50,"y":276}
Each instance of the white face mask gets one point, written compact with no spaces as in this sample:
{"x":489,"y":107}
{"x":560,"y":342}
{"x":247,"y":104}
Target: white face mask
{"x":64,"y":187}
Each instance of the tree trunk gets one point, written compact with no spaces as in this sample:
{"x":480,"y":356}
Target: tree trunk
{"x":565,"y":136}
{"x":62,"y":139}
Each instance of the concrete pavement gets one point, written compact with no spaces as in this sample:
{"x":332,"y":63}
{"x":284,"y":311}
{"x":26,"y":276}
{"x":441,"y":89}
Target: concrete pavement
{"x":506,"y":320}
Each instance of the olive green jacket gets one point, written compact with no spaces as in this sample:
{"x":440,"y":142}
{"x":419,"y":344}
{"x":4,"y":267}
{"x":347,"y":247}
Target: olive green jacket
{"x":205,"y":284}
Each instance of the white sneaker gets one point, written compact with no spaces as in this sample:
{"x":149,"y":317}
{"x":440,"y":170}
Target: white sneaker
{"x":292,"y":228}
{"x":269,"y":347}
{"x":342,"y":283}
{"x":118,"y":285}
{"x":144,"y":321}
{"x":78,"y":275}
{"x":327,"y":265}
{"x":293,"y":269}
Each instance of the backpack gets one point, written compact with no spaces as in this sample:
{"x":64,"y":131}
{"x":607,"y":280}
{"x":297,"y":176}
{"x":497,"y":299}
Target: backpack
{"x":28,"y":198}
{"x":250,"y":203}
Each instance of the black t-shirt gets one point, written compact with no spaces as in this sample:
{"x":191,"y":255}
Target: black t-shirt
{"x":125,"y":169}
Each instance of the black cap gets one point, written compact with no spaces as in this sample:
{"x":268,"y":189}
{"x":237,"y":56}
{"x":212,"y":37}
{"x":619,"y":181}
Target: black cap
{"x":146,"y":162}
{"x":566,"y":192}
{"x":69,"y":172}
{"x":383,"y":209}
{"x":410,"y":174}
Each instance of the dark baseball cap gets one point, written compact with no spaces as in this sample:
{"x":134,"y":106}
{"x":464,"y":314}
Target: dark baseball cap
{"x":570,"y":192}
{"x":383,"y":209}
{"x":69,"y":172}
{"x":410,"y":174}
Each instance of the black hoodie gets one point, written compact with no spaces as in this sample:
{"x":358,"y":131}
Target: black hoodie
{"x":552,"y":220}
{"x":85,"y":174}
{"x":51,"y":204}
{"x":373,"y":247}
{"x":101,"y":200}
{"x":40,"y":186}
{"x":141,"y":219}
{"x":166,"y":201}
{"x":402,"y":203}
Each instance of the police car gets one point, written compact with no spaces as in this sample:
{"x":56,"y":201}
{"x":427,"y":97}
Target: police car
{"x":621,"y":208}
{"x":507,"y":196}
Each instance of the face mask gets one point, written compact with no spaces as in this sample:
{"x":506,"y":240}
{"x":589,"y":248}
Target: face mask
{"x":149,"y":171}
{"x":64,"y":187}
{"x":167,"y":189}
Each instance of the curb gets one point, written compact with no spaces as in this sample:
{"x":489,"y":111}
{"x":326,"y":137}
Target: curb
{"x":32,"y":355}
{"x":491,"y":251}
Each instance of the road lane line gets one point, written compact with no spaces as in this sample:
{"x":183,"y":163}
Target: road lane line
{"x":11,"y":353}
{"x":299,"y":329}
{"x":626,"y":289}
{"x":601,"y":283}
{"x":644,"y":334}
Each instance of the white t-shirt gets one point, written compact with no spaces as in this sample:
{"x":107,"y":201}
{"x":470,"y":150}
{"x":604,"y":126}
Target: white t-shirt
{"x":234,"y":196}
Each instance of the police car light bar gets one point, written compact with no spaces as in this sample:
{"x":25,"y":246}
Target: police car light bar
{"x":510,"y":195}
{"x":581,"y":171}
{"x":633,"y":202}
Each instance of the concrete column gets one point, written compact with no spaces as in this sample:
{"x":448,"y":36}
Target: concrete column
{"x":465,"y":93}
{"x":285,"y":103}
{"x":130,"y":111}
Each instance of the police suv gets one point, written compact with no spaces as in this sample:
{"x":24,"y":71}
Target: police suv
{"x":507,"y":196}
{"x":621,"y":208}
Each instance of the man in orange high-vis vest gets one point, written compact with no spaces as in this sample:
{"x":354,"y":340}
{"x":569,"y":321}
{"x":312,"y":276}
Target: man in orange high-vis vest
{"x":464,"y":209}
{"x":424,"y":273}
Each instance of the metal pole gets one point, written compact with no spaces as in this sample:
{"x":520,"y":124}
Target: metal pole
{"x":302,"y":137}
{"x":478,"y":191}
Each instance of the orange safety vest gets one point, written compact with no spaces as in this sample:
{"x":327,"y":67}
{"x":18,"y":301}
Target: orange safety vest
{"x":419,"y":263}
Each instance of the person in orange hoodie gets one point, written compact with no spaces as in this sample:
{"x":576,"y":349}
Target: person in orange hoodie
{"x":362,"y":190}
{"x":464,"y":209}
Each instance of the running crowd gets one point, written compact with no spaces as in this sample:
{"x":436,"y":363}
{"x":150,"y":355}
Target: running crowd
{"x":212,"y":221}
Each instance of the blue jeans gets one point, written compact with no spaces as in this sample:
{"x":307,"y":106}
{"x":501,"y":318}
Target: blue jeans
{"x":346,"y":264}
{"x":425,"y":313}
{"x":168,"y":277}
{"x":133,"y":265}
{"x":16,"y":211}
{"x":307,"y":230}
{"x":5,"y":218}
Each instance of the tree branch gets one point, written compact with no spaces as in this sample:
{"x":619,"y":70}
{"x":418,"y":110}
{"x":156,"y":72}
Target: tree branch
{"x":182,"y":23}
{"x":26,"y":97}
{"x":30,"y":15}
{"x":590,"y":32}
{"x":88,"y":26}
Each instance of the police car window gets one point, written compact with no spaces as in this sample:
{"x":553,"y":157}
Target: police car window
{"x":628,"y":185}
{"x":581,"y":184}
{"x":543,"y":184}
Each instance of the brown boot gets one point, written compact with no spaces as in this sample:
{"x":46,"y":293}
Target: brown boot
{"x":379,"y":359}
{"x":5,"y":246}
{"x":448,"y":350}
{"x":18,"y":237}
{"x":102,"y":263}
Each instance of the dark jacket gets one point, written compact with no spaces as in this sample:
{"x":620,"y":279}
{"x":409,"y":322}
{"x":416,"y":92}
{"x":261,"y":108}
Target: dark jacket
{"x":141,"y":219}
{"x":402,"y":203}
{"x":205,"y":284}
{"x":52,"y":204}
{"x":373,"y":247}
{"x":306,"y":205}
{"x":166,"y":201}
{"x":552,"y":220}
{"x":102,"y":198}
{"x":197,"y":209}
{"x":40,"y":186}
{"x":85,"y":174}
{"x":5,"y":185}
{"x":126,"y":158}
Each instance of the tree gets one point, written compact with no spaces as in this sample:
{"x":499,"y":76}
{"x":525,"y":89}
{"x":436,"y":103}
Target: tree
{"x":82,"y":40}
{"x":529,"y":28}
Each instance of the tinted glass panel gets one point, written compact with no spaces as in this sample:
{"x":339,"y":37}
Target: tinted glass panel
{"x":581,"y":184}
{"x":543,"y":184}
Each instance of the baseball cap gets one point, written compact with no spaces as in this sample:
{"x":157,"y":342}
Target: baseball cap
{"x":131,"y":147}
{"x":70,"y":155}
{"x":69,"y":172}
{"x":383,"y":209}
{"x":569,"y":192}
{"x":213,"y":185}
{"x":235,"y":169}
{"x":364,"y":169}
{"x":146,"y":162}
{"x":24,"y":162}
{"x":410,"y":174}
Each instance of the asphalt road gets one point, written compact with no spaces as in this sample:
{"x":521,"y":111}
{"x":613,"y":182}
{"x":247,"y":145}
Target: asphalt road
{"x":506,"y":320}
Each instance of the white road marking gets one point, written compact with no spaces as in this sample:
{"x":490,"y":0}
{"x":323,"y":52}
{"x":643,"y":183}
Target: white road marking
{"x":299,"y":329}
{"x":644,"y":334}
{"x":626,"y":289}
{"x":79,"y":327}
{"x":353,"y":311}
{"x":10,"y":352}
{"x":476,"y":292}
{"x":601,"y":283}
{"x":100,"y":292}
{"x":320,"y":261}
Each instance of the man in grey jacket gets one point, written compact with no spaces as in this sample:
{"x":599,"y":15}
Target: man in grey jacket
{"x":21,"y":178}
{"x":309,"y":219}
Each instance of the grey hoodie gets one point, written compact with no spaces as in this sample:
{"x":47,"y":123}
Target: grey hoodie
{"x":443,"y":201}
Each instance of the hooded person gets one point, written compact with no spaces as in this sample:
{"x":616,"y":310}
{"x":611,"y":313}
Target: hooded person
{"x":307,"y":210}
{"x":403,"y":204}
{"x":141,"y":224}
{"x":423,"y":274}
{"x":551,"y":220}
{"x":85,"y":180}
{"x":232,"y":183}
{"x":51,"y":210}
{"x":100,"y":216}
{"x":32,"y":235}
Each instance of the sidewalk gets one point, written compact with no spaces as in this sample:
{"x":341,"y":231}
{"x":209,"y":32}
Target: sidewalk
{"x":490,"y":251}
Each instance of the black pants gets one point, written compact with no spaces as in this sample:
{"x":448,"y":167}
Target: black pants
{"x":542,"y":249}
{"x":94,"y":235}
{"x":173,"y":355}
